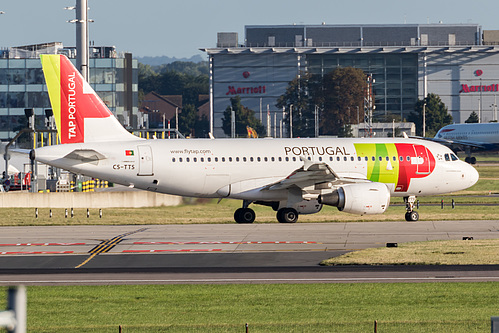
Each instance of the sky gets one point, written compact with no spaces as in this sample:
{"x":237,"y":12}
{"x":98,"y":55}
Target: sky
{"x":179,"y":28}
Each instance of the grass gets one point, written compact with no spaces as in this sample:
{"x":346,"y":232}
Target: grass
{"x":401,"y":307}
{"x":454,"y":252}
{"x":211,"y":212}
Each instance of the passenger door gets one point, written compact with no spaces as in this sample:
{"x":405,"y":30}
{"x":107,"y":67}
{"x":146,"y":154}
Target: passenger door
{"x":145,"y":161}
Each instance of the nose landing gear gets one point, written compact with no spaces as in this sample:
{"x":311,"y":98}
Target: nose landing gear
{"x":411,"y":215}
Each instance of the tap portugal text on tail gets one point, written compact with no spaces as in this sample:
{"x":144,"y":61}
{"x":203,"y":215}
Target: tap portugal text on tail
{"x":293,"y":176}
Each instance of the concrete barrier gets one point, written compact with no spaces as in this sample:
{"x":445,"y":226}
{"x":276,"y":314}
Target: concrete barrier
{"x":129,"y":199}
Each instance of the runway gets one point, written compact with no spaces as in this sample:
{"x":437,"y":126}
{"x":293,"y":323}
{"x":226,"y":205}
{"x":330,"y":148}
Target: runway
{"x":224,"y":253}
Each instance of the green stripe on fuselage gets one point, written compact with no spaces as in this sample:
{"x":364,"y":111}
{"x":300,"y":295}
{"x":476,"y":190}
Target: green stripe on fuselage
{"x":380,"y":171}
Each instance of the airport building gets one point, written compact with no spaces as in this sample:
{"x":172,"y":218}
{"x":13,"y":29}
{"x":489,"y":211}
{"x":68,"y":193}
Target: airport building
{"x":458,"y":62}
{"x":22,"y":85}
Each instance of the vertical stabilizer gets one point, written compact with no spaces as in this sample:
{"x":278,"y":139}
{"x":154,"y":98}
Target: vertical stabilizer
{"x":80,"y":114}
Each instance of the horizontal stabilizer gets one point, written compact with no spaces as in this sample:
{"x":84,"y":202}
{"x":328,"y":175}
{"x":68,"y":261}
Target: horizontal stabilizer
{"x":85,"y":155}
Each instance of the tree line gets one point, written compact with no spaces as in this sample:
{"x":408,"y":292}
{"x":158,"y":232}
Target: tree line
{"x":187,"y":79}
{"x":337,"y":97}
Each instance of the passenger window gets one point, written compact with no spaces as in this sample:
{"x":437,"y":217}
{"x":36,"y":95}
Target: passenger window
{"x":280,"y":159}
{"x":187,"y":159}
{"x":401,"y":158}
{"x":287,"y":159}
{"x":359,"y":158}
{"x":294,"y":158}
{"x":258,"y":159}
{"x":338,"y":158}
{"x":331,"y":158}
{"x":209,"y":159}
{"x":230,"y":159}
{"x":380,"y":158}
{"x":202,"y":159}
{"x":251,"y":159}
{"x":244,"y":159}
{"x":265,"y":159}
{"x":351,"y":158}
{"x":387,"y":158}
{"x":195,"y":159}
{"x":373,"y":158}
{"x":408,"y":158}
{"x":223,"y":159}
{"x":320,"y":158}
{"x":173,"y":159}
{"x":237,"y":159}
{"x":394,"y":158}
{"x":366,"y":158}
{"x":180,"y":159}
{"x":272,"y":159}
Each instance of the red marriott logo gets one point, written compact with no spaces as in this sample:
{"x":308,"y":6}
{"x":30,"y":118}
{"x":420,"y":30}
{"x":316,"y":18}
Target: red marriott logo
{"x":245,"y":90}
{"x":467,"y":89}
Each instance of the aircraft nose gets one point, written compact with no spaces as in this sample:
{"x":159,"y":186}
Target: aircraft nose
{"x":471,"y":175}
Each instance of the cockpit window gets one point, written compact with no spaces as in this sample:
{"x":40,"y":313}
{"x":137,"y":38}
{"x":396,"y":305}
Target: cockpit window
{"x":447,"y":158}
{"x":454,"y":157}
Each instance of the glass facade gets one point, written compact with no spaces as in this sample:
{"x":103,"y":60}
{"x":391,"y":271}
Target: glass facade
{"x":22,"y":85}
{"x":395,"y":75}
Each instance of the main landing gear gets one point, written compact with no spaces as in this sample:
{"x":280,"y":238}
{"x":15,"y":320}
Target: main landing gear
{"x":411,"y":215}
{"x":287,"y":215}
{"x":247,"y":215}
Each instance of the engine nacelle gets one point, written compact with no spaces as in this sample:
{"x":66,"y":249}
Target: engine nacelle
{"x":359,"y":198}
{"x":308,"y":207}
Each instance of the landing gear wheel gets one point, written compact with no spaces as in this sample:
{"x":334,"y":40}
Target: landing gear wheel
{"x":412,"y":216}
{"x":473,"y":160}
{"x":467,"y":159}
{"x":244,"y":215}
{"x":287,"y":215}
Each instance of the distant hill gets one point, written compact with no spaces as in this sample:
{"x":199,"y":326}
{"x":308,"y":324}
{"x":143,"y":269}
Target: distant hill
{"x":157,"y":61}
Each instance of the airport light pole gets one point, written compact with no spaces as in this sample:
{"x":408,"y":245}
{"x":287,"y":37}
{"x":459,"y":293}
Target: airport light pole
{"x":82,"y":52}
{"x":424,"y":119}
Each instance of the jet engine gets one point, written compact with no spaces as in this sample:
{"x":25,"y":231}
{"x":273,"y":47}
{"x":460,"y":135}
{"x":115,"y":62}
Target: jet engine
{"x":359,"y":198}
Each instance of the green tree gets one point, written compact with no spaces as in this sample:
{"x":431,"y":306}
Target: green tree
{"x":472,"y":119}
{"x":343,"y":92}
{"x":174,"y":80}
{"x":202,"y":127}
{"x":436,"y":112}
{"x":244,"y":117}
{"x":338,"y":96}
{"x":187,"y":120}
{"x":301,"y":94}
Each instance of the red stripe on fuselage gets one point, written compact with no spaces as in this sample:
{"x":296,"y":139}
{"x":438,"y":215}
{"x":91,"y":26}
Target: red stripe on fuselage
{"x":408,"y":170}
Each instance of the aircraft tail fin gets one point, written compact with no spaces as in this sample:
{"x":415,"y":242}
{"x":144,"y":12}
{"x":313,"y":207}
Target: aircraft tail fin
{"x":80,"y":114}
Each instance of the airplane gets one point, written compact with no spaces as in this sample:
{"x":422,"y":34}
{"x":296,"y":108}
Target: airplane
{"x":481,"y":136}
{"x":293,"y":176}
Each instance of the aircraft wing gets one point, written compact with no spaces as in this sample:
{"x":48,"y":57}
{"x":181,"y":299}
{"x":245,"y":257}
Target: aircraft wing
{"x":310,"y":174}
{"x":472,"y":144}
{"x":456,"y":143}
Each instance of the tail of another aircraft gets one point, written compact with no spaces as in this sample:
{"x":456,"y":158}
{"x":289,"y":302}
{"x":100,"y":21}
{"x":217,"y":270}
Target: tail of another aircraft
{"x":80,"y":115}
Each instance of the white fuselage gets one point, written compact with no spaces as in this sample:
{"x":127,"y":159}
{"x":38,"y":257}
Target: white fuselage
{"x":486,"y":133}
{"x":239,"y":168}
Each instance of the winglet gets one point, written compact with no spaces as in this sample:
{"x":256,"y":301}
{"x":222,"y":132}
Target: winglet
{"x":80,"y":114}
